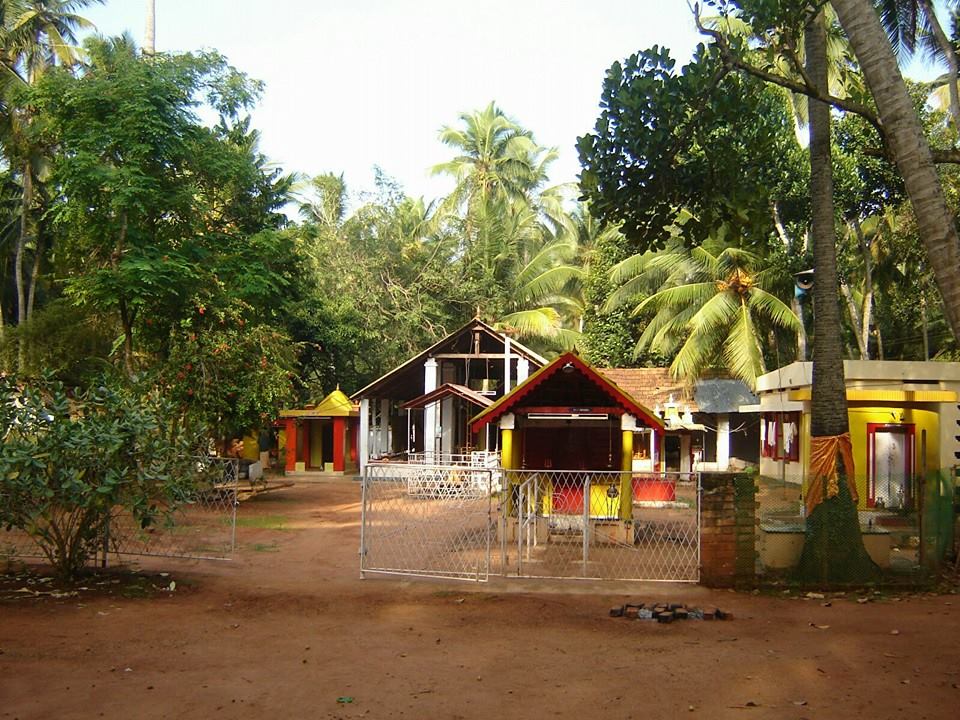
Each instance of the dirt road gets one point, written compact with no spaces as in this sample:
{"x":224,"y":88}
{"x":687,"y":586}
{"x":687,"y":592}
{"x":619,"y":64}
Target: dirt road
{"x":288,"y":629}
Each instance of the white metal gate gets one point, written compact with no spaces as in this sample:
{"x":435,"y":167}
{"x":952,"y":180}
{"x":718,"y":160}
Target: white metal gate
{"x":572,"y":524}
{"x":456,"y":521}
{"x":428,"y":520}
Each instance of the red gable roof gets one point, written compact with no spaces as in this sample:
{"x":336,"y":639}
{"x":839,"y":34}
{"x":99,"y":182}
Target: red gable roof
{"x":619,"y":399}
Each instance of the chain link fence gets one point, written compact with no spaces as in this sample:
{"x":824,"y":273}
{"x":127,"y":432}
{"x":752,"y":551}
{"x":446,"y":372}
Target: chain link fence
{"x":602,"y":525}
{"x":456,"y":521}
{"x":906,"y":526}
{"x":202,"y":524}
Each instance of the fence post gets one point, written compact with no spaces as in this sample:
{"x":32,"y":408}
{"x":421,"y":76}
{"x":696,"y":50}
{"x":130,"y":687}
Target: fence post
{"x":586,"y":523}
{"x":106,"y":540}
{"x":363,"y":517}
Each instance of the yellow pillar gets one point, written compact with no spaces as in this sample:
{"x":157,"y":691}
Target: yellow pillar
{"x":507,"y":464}
{"x":506,"y":449}
{"x":626,"y":477}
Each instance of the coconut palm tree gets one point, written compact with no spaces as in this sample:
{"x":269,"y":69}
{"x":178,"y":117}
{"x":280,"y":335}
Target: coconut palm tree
{"x":909,"y":148}
{"x":495,"y":155}
{"x":712,"y":308}
{"x":913,"y":25}
{"x":36,"y":35}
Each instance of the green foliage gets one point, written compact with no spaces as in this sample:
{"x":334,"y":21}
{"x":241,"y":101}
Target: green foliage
{"x":710,"y":308}
{"x":63,"y":340}
{"x":69,"y":461}
{"x":669,"y":139}
{"x":608,"y":338}
{"x":227,"y":375}
{"x":152,"y":207}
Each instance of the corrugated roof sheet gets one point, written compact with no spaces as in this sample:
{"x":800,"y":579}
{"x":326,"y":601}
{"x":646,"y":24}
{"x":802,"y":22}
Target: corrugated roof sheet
{"x":722,"y":395}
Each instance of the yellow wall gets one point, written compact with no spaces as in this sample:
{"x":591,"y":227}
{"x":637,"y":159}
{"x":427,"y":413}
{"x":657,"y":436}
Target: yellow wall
{"x":251,"y":448}
{"x":860,"y":417}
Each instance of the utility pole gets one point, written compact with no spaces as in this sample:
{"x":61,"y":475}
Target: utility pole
{"x":150,"y":31}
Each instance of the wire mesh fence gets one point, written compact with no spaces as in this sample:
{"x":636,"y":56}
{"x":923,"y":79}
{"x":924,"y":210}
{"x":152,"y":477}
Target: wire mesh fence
{"x":201,"y":524}
{"x":602,"y":525}
{"x":906,"y":526}
{"x":434,"y":521}
{"x":451,"y":521}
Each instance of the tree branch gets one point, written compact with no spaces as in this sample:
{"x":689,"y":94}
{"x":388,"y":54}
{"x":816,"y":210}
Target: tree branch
{"x":801,"y":88}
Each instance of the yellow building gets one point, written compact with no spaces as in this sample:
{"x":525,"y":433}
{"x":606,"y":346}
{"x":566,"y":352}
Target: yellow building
{"x":903,"y":425}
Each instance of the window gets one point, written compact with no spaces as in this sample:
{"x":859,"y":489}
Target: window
{"x":780,"y":436}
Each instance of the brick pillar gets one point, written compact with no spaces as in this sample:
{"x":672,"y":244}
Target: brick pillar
{"x":728,"y":530}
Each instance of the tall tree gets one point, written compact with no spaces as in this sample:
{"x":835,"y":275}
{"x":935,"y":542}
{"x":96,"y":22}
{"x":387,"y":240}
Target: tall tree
{"x":38,"y":34}
{"x":149,"y":201}
{"x":908,"y":146}
{"x":834,"y":550}
{"x":712,"y":310}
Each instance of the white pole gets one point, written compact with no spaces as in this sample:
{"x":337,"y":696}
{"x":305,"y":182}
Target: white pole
{"x":363,"y":452}
{"x":506,"y":365}
{"x":430,"y":414}
{"x":150,"y":30}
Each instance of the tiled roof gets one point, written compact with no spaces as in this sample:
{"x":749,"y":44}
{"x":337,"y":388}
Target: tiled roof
{"x":651,"y":386}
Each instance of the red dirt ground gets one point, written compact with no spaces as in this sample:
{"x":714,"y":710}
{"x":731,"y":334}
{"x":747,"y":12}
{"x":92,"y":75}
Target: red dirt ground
{"x":288,"y":627}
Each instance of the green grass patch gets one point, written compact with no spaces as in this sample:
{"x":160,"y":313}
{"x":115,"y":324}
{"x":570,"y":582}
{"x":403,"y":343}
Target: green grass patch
{"x":265,"y":547}
{"x":264,"y":522}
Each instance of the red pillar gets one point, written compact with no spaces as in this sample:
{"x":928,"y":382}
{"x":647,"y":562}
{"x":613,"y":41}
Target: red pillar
{"x":339,"y":441}
{"x":291,"y":433}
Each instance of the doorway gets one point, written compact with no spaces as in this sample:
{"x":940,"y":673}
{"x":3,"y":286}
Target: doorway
{"x":890,"y":449}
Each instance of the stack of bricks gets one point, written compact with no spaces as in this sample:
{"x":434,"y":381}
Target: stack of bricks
{"x":728,"y":519}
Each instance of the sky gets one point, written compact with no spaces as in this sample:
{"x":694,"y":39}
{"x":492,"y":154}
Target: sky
{"x":351,"y":84}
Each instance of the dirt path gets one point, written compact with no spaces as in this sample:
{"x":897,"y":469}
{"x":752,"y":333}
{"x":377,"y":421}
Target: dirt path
{"x":288,"y":628}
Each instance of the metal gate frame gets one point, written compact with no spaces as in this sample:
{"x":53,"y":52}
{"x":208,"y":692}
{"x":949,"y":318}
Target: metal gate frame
{"x":446,"y":521}
{"x":673,"y":546}
{"x":436,"y":521}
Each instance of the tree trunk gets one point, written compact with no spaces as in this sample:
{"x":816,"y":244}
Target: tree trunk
{"x":908,"y":147}
{"x":833,"y":550}
{"x":923,"y":325}
{"x":855,"y":320}
{"x":866,"y":313}
{"x":34,"y":273}
{"x":126,"y":314}
{"x":25,"y":208}
{"x":829,"y":399}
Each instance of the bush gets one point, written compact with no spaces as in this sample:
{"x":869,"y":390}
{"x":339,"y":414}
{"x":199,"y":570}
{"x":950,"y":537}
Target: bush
{"x":69,"y":460}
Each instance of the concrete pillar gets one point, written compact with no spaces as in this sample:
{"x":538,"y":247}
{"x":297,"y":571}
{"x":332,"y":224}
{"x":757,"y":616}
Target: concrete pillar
{"x":506,"y":457}
{"x":430,"y":412}
{"x":723,"y":442}
{"x":523,"y":369}
{"x":363,"y":454}
{"x":685,"y":453}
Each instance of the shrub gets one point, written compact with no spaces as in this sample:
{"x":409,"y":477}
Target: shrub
{"x":70,"y":459}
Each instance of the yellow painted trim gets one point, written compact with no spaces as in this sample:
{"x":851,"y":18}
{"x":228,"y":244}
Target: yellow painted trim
{"x":506,"y":449}
{"x":891,"y":396}
{"x":626,"y":482}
